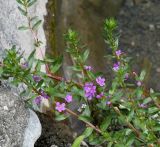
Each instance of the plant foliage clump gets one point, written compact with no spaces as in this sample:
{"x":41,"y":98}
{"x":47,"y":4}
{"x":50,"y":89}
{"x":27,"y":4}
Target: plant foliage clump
{"x":117,"y":112}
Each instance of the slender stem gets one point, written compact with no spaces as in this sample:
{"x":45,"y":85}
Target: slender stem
{"x":35,"y":37}
{"x":87,"y":123}
{"x":138,"y":134}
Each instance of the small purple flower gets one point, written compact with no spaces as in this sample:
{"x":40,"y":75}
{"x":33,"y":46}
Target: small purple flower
{"x":37,"y":78}
{"x":90,"y":90}
{"x":100,"y":81}
{"x":139,"y":83}
{"x":142,"y":105}
{"x":118,"y":53}
{"x":89,"y":68}
{"x":60,"y":106}
{"x":45,"y":95}
{"x":108,"y":103}
{"x":68,"y":98}
{"x":116,"y":66}
{"x":24,"y":65}
{"x":38,"y":100}
{"x":100,"y":95}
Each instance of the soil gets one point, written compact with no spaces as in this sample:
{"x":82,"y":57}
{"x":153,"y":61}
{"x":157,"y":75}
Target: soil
{"x":140,"y":30}
{"x":54,"y":134}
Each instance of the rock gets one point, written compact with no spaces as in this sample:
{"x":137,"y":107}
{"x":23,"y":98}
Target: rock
{"x":33,"y":130}
{"x":16,"y":122}
{"x":158,"y":44}
{"x":151,"y":27}
{"x":11,"y":19}
{"x":158,"y":69}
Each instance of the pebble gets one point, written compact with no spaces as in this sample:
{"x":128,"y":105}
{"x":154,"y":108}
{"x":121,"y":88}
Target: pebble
{"x":133,"y":43}
{"x":158,"y":44}
{"x":158,"y":26}
{"x":151,"y":27}
{"x":158,"y":69}
{"x":54,"y":146}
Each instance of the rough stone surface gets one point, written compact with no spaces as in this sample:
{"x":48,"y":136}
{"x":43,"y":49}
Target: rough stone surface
{"x":13,"y":119}
{"x":18,"y":126}
{"x":11,"y":19}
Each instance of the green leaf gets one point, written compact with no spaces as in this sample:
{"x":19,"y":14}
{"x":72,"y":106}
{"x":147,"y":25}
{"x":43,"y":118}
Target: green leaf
{"x":153,"y":110}
{"x":130,"y":115}
{"x":85,"y":55}
{"x":34,"y":18}
{"x":36,"y":25}
{"x":20,"y":2}
{"x":104,"y":125}
{"x":96,"y":140}
{"x":147,"y":100}
{"x":56,"y":65}
{"x":110,"y":144}
{"x":130,"y":140}
{"x":60,"y":117}
{"x":23,"y":28}
{"x":85,"y":118}
{"x":142,"y":75}
{"x":31,"y":3}
{"x":78,"y":141}
{"x":23,"y":12}
{"x":88,"y":131}
{"x":31,"y":55}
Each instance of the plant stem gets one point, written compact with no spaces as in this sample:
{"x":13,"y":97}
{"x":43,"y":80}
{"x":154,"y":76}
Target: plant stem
{"x":87,"y":123}
{"x":136,"y":132}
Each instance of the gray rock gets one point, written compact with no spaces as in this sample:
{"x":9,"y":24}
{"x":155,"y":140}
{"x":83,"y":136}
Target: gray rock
{"x":16,"y":121}
{"x":13,"y":119}
{"x":11,"y":19}
{"x":33,"y":130}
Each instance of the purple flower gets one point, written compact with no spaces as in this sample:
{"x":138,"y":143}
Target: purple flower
{"x":100,"y":81}
{"x":45,"y":95}
{"x":139,"y":83}
{"x":60,"y":106}
{"x":100,"y":95}
{"x":108,"y":103}
{"x":116,"y":66}
{"x":90,"y":90}
{"x":142,"y":105}
{"x":37,"y":78}
{"x":24,"y":65}
{"x":38,"y":100}
{"x":118,"y":52}
{"x":68,"y":98}
{"x":89,"y":68}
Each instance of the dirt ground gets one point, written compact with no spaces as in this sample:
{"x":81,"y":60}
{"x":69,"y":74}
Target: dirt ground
{"x":140,"y":38}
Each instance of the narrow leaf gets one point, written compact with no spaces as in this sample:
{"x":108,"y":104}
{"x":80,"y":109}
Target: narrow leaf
{"x":88,"y":132}
{"x":85,"y":55}
{"x":31,"y":3}
{"x":22,"y":28}
{"x":23,"y":12}
{"x":78,"y":141}
{"x":20,"y":2}
{"x":36,"y":25}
